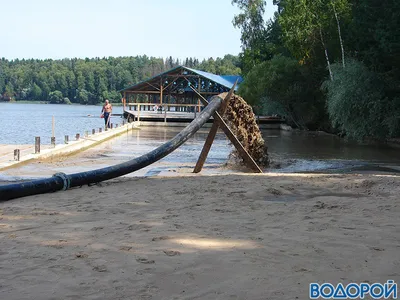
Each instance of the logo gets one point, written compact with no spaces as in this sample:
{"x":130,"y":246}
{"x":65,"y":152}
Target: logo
{"x":387,"y":290}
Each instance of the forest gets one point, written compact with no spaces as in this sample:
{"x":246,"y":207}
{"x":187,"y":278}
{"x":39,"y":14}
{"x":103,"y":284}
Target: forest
{"x":91,"y":81}
{"x":329,"y":65}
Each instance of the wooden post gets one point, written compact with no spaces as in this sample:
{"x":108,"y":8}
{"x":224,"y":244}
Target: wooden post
{"x":112,"y":125}
{"x":52,"y":126}
{"x":66,"y":139}
{"x":212,"y":133}
{"x":138,"y":114}
{"x":165,"y":114}
{"x":198,"y":100}
{"x":53,"y":141}
{"x":242,"y":151}
{"x":77,"y":136}
{"x":16,"y":154}
{"x":93,"y":131}
{"x":37,"y":144}
{"x":161,"y":91}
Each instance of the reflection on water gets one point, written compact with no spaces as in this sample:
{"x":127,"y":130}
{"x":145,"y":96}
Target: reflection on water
{"x":139,"y":142}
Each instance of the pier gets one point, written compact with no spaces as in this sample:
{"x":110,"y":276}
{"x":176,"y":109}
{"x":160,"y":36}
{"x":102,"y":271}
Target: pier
{"x":28,"y":153}
{"x":172,"y":98}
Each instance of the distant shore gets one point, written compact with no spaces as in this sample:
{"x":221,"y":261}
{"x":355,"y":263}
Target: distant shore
{"x":47,"y":102}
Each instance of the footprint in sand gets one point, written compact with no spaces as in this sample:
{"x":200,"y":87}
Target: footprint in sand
{"x":100,"y":268}
{"x":178,"y":226}
{"x":171,"y":253}
{"x":125,"y":248}
{"x":161,"y":238}
{"x":141,"y":227}
{"x":169,"y":217}
{"x":81,"y":255}
{"x":143,"y":260}
{"x":144,"y":271}
{"x":97,"y":228}
{"x":274,"y":191}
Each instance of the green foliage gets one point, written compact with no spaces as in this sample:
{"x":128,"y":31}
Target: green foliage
{"x":9,"y":90}
{"x":90,"y":81}
{"x":361,"y":99}
{"x":279,"y":86}
{"x":259,"y":40}
{"x":56,"y":97}
{"x":357,"y":104}
{"x":36,"y":92}
{"x":251,"y":22}
{"x":83,"y":96}
{"x":303,"y":22}
{"x":374,"y":35}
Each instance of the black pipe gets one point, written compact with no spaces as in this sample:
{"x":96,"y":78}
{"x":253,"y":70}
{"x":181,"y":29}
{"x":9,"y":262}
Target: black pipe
{"x":62,"y":181}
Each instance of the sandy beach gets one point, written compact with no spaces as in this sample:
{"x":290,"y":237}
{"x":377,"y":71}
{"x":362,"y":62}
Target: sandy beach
{"x":237,"y":236}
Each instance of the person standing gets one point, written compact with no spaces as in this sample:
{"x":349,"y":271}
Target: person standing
{"x":106,"y":112}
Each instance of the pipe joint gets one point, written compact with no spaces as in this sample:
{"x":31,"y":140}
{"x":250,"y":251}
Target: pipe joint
{"x":65,"y":179}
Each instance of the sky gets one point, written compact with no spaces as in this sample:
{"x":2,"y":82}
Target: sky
{"x":58,"y":29}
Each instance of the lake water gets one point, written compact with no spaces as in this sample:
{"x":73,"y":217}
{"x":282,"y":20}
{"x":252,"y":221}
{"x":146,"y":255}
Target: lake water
{"x":290,"y":151}
{"x":23,"y":122}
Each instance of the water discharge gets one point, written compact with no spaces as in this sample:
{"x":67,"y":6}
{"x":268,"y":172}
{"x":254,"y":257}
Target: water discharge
{"x":289,"y":152}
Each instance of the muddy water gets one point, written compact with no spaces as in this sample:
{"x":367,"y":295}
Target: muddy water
{"x":289,"y":151}
{"x":299,"y":151}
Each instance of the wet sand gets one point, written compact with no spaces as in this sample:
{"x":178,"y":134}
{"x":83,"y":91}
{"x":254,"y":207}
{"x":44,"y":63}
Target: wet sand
{"x":235,"y":236}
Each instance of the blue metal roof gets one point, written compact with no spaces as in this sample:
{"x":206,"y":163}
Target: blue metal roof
{"x":225,"y":80}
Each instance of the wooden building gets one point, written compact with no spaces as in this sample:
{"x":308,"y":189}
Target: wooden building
{"x":169,"y":95}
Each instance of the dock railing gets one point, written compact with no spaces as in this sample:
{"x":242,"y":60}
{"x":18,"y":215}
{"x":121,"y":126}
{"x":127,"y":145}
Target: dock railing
{"x":164,"y":108}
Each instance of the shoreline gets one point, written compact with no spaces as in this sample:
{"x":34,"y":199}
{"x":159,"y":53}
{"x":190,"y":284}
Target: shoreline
{"x":232,"y":236}
{"x":47,"y":102}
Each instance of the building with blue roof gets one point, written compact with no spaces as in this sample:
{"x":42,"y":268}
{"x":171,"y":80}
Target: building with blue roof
{"x":173,"y":92}
{"x":176,"y":86}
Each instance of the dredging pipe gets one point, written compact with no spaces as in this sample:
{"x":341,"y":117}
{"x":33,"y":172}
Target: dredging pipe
{"x":61,"y":181}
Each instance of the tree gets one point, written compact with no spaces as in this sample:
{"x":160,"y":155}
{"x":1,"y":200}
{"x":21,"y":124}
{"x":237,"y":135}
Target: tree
{"x":357,"y":104}
{"x":56,"y":97}
{"x":279,"y":86}
{"x":9,"y":91}
{"x":307,"y":24}
{"x":36,"y":92}
{"x":253,"y":32}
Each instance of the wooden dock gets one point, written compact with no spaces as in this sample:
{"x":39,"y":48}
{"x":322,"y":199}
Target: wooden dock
{"x":168,"y":113}
{"x":164,"y":116}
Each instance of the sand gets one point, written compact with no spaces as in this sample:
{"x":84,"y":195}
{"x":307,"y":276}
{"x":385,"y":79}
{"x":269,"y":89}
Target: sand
{"x":237,"y":236}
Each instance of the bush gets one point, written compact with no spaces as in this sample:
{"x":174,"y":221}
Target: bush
{"x":66,"y":101}
{"x":357,"y":104}
{"x":56,"y":97}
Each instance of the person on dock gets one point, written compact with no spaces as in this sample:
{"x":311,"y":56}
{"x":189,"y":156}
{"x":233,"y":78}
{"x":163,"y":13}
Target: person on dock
{"x":106,"y":113}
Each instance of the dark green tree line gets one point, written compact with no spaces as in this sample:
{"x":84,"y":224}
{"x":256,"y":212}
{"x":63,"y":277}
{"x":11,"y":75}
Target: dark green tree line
{"x":90,"y":81}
